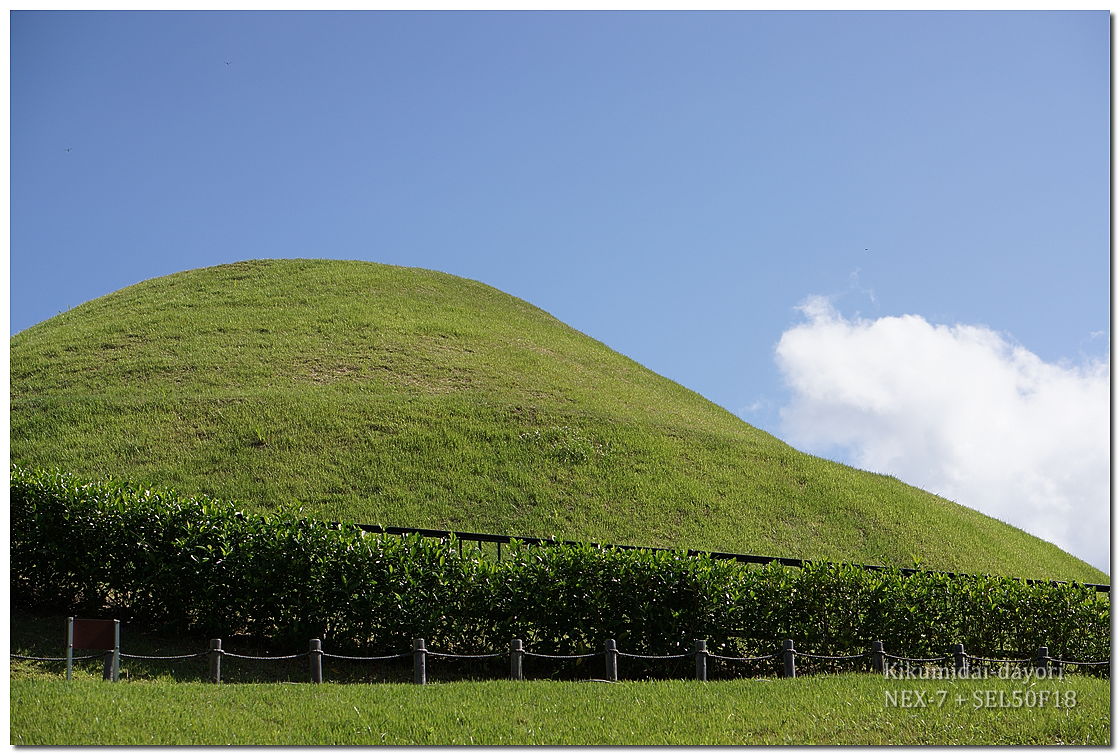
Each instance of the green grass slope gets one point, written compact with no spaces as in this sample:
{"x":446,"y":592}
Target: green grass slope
{"x":409,"y":397}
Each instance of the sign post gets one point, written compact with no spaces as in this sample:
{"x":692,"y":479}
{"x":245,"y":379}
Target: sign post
{"x":69,"y":648}
{"x":95,"y":634}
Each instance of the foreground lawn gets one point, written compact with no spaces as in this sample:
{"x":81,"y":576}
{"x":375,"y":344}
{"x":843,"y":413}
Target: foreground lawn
{"x":845,"y":709}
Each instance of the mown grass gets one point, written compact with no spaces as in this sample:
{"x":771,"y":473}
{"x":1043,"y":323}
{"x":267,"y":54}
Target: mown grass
{"x":407,"y":397}
{"x":836,"y":710}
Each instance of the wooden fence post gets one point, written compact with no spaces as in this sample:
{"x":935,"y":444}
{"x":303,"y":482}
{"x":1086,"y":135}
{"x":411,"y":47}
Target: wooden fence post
{"x":789,"y":668}
{"x":419,"y":662}
{"x":612,"y":660}
{"x":315,"y":655}
{"x":216,"y":661}
{"x":516,"y":653}
{"x":702,"y":660}
{"x":878,"y":657}
{"x":1042,"y":660}
{"x":960,"y":659}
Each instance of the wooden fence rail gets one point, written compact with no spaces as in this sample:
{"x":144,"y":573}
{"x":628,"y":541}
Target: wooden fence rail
{"x":745,"y":558}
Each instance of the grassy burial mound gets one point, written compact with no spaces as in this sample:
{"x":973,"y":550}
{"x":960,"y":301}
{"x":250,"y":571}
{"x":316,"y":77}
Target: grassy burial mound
{"x":409,"y":397}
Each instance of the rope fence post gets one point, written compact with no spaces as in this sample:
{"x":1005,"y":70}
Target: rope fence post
{"x":878,"y":661}
{"x":419,"y":662}
{"x":1042,"y":660}
{"x":960,"y":659}
{"x":516,"y":654}
{"x":702,"y":660}
{"x":315,"y":655}
{"x":216,"y":661}
{"x":789,"y":669}
{"x":612,"y":660}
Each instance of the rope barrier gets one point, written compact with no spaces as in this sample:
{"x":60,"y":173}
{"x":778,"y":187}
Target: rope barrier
{"x":999,"y":660}
{"x":367,"y":657}
{"x":1082,"y":663}
{"x":228,"y":654}
{"x":530,"y":654}
{"x":749,"y":658}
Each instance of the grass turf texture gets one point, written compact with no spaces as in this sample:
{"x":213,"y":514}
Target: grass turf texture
{"x":836,"y":710}
{"x":408,"y":397}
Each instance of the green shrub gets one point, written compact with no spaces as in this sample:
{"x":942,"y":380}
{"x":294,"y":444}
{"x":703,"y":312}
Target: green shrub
{"x":201,"y":566}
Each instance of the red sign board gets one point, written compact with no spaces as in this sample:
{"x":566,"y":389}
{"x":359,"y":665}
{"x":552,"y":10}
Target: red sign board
{"x":95,"y":634}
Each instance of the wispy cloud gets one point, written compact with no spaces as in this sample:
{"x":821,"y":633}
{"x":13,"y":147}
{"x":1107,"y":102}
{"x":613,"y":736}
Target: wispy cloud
{"x":959,"y":410}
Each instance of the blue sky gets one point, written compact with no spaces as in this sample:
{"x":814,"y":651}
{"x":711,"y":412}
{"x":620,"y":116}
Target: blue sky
{"x":676,"y":185}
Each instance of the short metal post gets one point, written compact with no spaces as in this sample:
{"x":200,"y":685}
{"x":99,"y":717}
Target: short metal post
{"x":701,"y":660}
{"x":960,"y":659}
{"x":69,"y":648}
{"x":1042,"y":661}
{"x":419,"y":662}
{"x":612,"y":660}
{"x":878,"y":657}
{"x":216,"y":653}
{"x":315,"y":655}
{"x":113,"y":657}
{"x":789,"y":669}
{"x":516,"y":653}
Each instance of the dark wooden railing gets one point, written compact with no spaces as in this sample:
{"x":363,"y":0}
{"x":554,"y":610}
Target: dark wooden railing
{"x":500,"y":540}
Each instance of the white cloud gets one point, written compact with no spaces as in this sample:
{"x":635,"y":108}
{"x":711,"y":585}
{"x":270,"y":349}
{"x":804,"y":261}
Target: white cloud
{"x":960,"y":411}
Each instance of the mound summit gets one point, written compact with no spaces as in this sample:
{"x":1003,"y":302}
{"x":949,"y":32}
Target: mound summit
{"x":408,"y":397}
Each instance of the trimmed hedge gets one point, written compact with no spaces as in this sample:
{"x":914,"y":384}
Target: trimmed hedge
{"x":200,"y":566}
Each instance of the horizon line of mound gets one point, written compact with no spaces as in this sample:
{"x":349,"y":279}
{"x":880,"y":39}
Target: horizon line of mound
{"x":377,"y":393}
